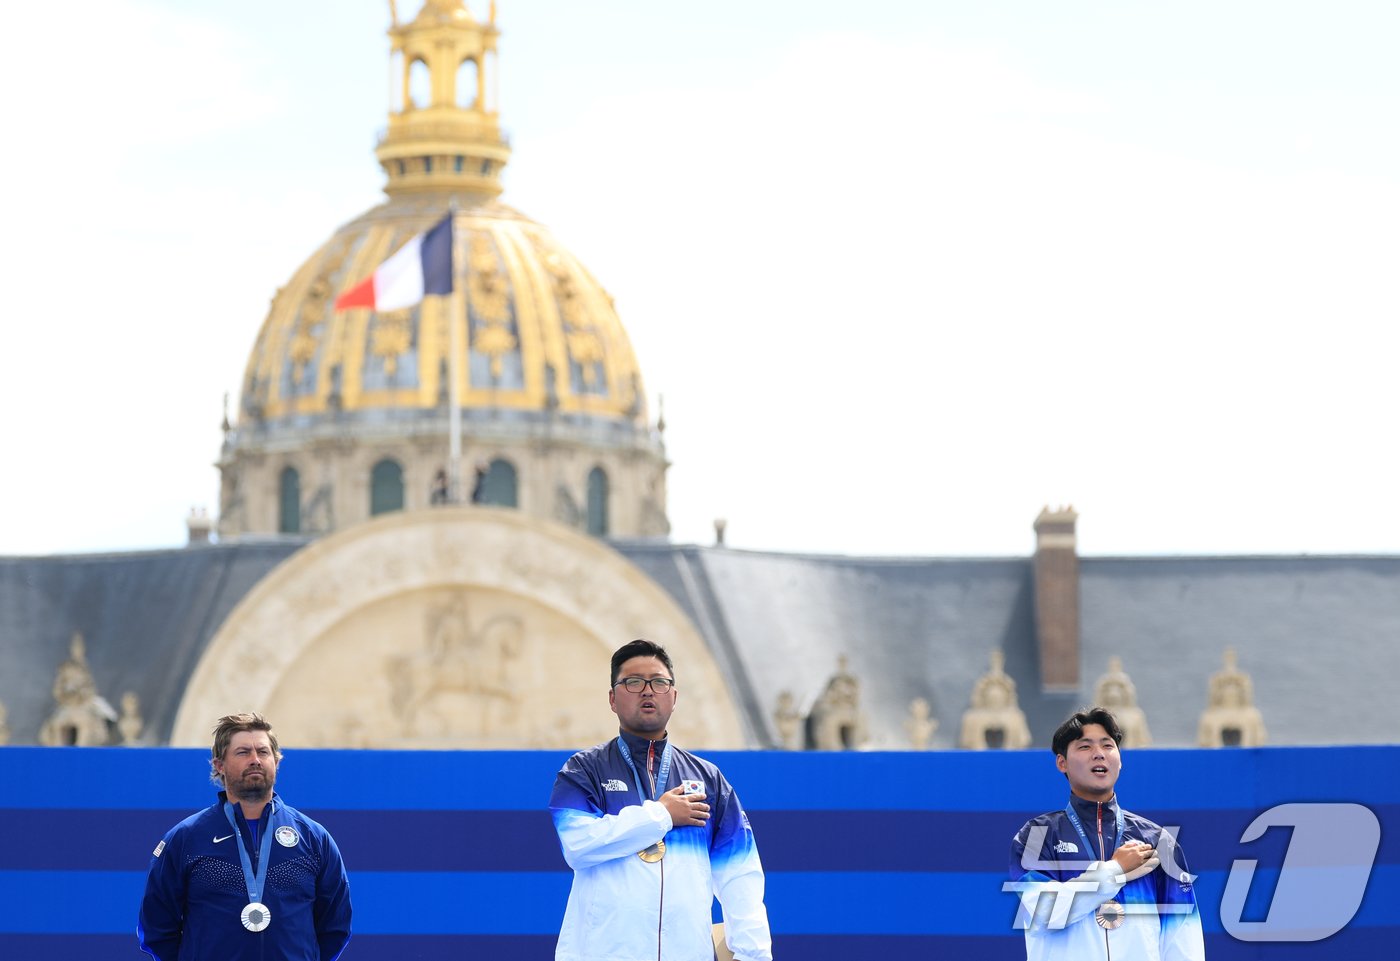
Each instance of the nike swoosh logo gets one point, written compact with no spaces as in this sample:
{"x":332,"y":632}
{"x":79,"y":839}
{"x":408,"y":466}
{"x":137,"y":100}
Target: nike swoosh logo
{"x":224,"y":838}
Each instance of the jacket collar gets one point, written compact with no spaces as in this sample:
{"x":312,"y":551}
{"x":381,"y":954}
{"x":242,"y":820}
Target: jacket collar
{"x":638,"y":745}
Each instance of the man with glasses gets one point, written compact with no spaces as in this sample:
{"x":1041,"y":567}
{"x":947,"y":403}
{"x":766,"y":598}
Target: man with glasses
{"x":653,"y":834}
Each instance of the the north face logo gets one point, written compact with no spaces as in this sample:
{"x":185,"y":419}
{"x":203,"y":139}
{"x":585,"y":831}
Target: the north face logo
{"x":613,"y":784}
{"x":1066,"y":847}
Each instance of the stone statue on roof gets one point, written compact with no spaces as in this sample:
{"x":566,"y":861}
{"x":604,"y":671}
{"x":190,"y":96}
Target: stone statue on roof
{"x":83,"y":716}
{"x":836,"y":722}
{"x":789,"y":722}
{"x":1116,"y":691}
{"x":920,"y":725}
{"x":130,"y":723}
{"x":1230,"y":718}
{"x":995,"y":719}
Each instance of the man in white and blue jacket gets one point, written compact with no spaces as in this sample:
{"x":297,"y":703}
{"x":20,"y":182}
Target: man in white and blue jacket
{"x":249,"y":878}
{"x":1096,"y":881}
{"x":654,"y":834}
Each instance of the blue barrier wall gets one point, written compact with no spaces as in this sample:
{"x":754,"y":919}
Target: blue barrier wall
{"x":452,"y":855}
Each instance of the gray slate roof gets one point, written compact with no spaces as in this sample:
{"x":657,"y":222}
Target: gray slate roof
{"x":1319,"y":635}
{"x":145,"y":617}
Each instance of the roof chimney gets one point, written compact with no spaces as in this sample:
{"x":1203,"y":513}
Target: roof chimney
{"x":1057,"y":599}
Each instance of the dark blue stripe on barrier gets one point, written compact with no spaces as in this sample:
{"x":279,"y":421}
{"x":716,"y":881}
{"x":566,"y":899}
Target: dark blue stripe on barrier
{"x":1363,"y":943}
{"x":917,"y":841}
{"x":87,"y":840}
{"x":397,"y":947}
{"x":870,"y":947}
{"x":73,"y":947}
{"x":533,"y":903}
{"x":1348,"y":944}
{"x":385,"y":903}
{"x":387,"y":947}
{"x":442,"y":903}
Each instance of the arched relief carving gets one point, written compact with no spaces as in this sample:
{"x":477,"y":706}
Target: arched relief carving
{"x":343,"y":638}
{"x":478,"y":663}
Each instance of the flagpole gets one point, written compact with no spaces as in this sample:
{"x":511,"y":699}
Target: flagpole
{"x":456,"y":315}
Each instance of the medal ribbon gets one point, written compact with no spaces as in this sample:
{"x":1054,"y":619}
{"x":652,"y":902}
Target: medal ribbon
{"x":254,"y":880}
{"x":660,"y":775}
{"x":1074,"y":819}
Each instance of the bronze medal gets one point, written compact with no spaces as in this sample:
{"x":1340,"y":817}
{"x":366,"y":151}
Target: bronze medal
{"x":1110,"y":915}
{"x":654,"y":853}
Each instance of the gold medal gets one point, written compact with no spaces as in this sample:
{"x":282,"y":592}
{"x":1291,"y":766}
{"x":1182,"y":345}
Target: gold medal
{"x":654,"y":853}
{"x":1109,"y":915}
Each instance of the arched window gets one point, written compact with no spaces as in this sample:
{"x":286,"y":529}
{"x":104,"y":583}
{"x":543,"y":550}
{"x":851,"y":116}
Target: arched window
{"x":499,"y":485}
{"x":420,"y":84}
{"x":385,"y":487}
{"x":289,"y":501}
{"x":598,"y":502}
{"x":467,"y":84}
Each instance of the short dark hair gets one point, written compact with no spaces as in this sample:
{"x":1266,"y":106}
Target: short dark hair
{"x":639,"y":648}
{"x":233,"y":724}
{"x":1073,"y":728}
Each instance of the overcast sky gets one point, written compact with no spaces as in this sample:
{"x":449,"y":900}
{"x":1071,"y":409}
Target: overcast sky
{"x":905,"y":271}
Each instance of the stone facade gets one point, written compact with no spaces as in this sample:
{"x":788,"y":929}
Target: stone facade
{"x":552,"y":480}
{"x":456,"y":627}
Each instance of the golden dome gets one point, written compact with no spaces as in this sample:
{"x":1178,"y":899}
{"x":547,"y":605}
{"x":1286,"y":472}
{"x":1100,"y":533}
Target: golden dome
{"x":525,"y":369}
{"x":541,"y":337}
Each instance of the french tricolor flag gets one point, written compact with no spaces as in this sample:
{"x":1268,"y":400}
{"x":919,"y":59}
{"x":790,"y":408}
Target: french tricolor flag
{"x":420,"y":267}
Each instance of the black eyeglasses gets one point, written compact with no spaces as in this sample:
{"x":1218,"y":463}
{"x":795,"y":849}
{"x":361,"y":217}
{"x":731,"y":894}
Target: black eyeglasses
{"x":636,"y":685}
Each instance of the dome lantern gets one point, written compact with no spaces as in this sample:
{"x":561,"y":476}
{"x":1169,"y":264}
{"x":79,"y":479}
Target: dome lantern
{"x":444,"y":132}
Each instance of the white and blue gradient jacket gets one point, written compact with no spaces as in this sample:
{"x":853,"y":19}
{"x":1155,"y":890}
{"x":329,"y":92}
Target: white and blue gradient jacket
{"x":1161,"y":922}
{"x":622,"y":908}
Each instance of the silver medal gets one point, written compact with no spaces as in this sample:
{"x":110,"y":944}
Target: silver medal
{"x":256,"y":917}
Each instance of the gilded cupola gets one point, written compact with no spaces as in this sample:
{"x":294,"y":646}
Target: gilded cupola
{"x":444,"y":129}
{"x":346,"y":414}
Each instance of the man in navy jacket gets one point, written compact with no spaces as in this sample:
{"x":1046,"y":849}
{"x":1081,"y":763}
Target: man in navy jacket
{"x":1096,"y":881}
{"x":249,"y":877}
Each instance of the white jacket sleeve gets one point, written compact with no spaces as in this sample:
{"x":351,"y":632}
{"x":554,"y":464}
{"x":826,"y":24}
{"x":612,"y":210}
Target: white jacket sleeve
{"x":737,"y":875}
{"x":1059,"y":904}
{"x":589,"y":837}
{"x":1181,"y":938}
